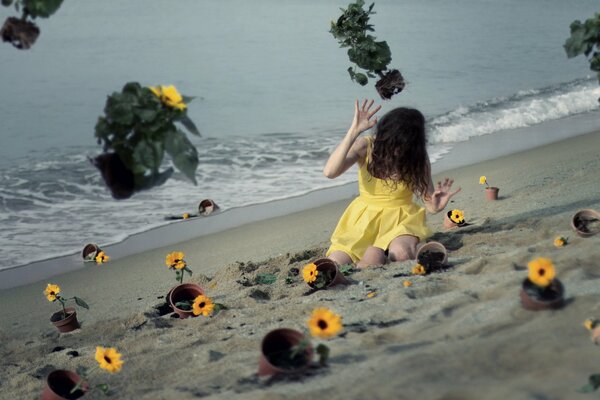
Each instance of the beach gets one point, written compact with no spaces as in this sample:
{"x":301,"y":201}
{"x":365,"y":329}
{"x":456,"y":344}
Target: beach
{"x":457,"y":334}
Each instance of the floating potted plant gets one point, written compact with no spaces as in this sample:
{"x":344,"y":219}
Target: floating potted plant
{"x":586,"y":222}
{"x":491,"y":192}
{"x":454,"y":219}
{"x":182,"y":297}
{"x":207,"y":206}
{"x":541,"y":289}
{"x":323,"y":273}
{"x":431,"y":256}
{"x":290,"y":351}
{"x":593,"y":325}
{"x":61,"y":384}
{"x":66,"y":319}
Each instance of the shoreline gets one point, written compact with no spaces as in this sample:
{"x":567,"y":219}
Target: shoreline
{"x":476,"y":150}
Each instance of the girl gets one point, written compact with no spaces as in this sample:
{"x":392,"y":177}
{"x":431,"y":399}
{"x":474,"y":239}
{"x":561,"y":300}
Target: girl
{"x":394,"y":166}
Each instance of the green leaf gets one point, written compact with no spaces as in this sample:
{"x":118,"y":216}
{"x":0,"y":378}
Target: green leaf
{"x":133,"y":88}
{"x":361,"y":78}
{"x":187,"y":99}
{"x":119,"y":109}
{"x":183,"y":153}
{"x":265,"y":279}
{"x":189,"y":124}
{"x":42,"y":8}
{"x":81,"y":303}
{"x":143,"y":182}
{"x":184,"y":305}
{"x":103,"y":387}
{"x":323,"y":352}
{"x":149,"y":154}
{"x":346,"y":269}
{"x":289,"y":280}
{"x":218,"y":307}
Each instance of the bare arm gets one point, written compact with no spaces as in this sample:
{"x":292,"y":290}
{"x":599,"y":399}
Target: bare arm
{"x":437,"y":197}
{"x":350,"y":150}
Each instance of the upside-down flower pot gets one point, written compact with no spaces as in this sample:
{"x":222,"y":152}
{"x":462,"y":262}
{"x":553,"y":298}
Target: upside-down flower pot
{"x":90,"y":251}
{"x":207,"y":206}
{"x":534,"y":299}
{"x":67,"y":324}
{"x":59,"y":384}
{"x":431,"y":248}
{"x":491,"y":193}
{"x":275,"y":357}
{"x":184,"y":292}
{"x":582,"y":218}
{"x":330,"y":267}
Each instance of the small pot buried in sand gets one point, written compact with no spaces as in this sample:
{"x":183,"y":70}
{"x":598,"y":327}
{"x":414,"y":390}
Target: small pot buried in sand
{"x":586,"y":222}
{"x":535,"y":298}
{"x":450,"y":224}
{"x":278,"y":356}
{"x":65,"y":324}
{"x":184,"y":293}
{"x":90,"y":251}
{"x":491,"y":193}
{"x":330,"y":270}
{"x":207,"y":206}
{"x":59,"y":384}
{"x":432,"y":255}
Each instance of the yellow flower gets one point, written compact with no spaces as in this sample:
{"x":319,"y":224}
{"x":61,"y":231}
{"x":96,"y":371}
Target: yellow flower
{"x":407,"y":283}
{"x":155,"y":90}
{"x":310,"y":272}
{"x":560,"y":241}
{"x":175,"y":260}
{"x":51,"y":291}
{"x":457,"y":216}
{"x":203,"y":305}
{"x":186,"y":216}
{"x":589,"y":324}
{"x":109,"y":359}
{"x":370,"y":295}
{"x":419,"y":270}
{"x":171,"y":97}
{"x":102,"y":258}
{"x":541,"y":271}
{"x":482,"y":180}
{"x":324,"y":323}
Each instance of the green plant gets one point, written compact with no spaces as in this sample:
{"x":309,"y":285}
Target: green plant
{"x":585,"y":39}
{"x":351,"y":30}
{"x":137,"y":128}
{"x":22,"y":32}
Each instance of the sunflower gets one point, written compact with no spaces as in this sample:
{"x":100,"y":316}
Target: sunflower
{"x":175,"y":260}
{"x":541,"y":271}
{"x":186,"y":216}
{"x":482,"y":180}
{"x":590,"y":324}
{"x":560,"y":241}
{"x":457,"y":216}
{"x":419,"y":270}
{"x":169,"y":96}
{"x":51,"y":292}
{"x":310,"y":273}
{"x":109,"y":359}
{"x":324,"y":323}
{"x":101,"y":257}
{"x":156,"y":90}
{"x":407,"y":283}
{"x":203,"y":305}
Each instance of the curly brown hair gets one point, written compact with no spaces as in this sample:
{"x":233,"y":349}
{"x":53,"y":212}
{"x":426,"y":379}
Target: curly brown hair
{"x":399,"y":153}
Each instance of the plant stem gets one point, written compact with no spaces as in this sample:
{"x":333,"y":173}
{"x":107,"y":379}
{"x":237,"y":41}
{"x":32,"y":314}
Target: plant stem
{"x":62,"y":302}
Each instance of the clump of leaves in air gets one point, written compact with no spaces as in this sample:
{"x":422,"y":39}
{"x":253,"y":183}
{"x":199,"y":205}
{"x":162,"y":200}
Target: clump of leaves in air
{"x":22,"y":32}
{"x":585,"y":39}
{"x":139,"y":125}
{"x":351,"y":30}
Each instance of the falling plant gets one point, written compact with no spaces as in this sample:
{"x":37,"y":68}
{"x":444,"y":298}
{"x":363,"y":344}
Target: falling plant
{"x":23,"y":32}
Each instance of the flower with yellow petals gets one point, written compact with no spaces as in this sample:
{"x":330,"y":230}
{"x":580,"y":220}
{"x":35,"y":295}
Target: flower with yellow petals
{"x":171,"y":97}
{"x":590,"y":324}
{"x":175,"y":260}
{"x":407,"y":283}
{"x":203,"y":305}
{"x":155,"y":90}
{"x":101,"y":257}
{"x":51,"y":292}
{"x":310,"y":272}
{"x":419,"y":270}
{"x":370,"y":295}
{"x":186,"y":216}
{"x":109,"y":359}
{"x":560,"y":241}
{"x":457,"y":216}
{"x":541,"y":271}
{"x":324,"y":323}
{"x":483,"y":180}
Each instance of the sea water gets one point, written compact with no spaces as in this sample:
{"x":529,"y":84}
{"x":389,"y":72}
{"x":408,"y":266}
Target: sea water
{"x":273,"y":99}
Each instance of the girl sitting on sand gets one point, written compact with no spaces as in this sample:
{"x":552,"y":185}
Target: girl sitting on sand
{"x":394,"y":166}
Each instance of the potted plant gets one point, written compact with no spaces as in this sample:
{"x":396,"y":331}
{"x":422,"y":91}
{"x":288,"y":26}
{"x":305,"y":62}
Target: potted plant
{"x":431,"y":256}
{"x":61,"y":384}
{"x":323,"y":273}
{"x":491,"y":192}
{"x":586,"y":222}
{"x":454,"y":219}
{"x":285,"y":351}
{"x":182,"y":297}
{"x":541,"y":289}
{"x":66,"y":319}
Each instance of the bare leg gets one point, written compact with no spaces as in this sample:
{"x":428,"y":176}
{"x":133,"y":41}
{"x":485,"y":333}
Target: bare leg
{"x":340,"y":257}
{"x":373,"y":256}
{"x":403,"y":248}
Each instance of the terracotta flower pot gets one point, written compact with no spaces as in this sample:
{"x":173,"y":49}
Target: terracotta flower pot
{"x":448,"y":223}
{"x":59,"y":384}
{"x":325,"y":265}
{"x":207,"y":206}
{"x":432,"y":247}
{"x":90,"y":251}
{"x":275,"y":357}
{"x":534,"y":299}
{"x":491,"y":193}
{"x":183,"y":292}
{"x":582,"y":218}
{"x":67,"y":324}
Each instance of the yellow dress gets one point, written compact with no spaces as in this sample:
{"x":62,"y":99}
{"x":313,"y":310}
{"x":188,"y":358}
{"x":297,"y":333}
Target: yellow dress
{"x":377,"y":216}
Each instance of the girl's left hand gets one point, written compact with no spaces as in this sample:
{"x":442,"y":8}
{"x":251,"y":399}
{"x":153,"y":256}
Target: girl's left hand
{"x":442,"y":194}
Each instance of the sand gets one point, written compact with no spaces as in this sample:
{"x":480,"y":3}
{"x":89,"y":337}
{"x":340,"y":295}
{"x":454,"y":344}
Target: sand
{"x":457,"y":334}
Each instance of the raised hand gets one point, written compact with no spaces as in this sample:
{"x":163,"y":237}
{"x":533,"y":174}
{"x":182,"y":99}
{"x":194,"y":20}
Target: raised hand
{"x":363,"y":116}
{"x":442,"y":194}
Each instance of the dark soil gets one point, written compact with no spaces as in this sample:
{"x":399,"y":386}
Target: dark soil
{"x":63,"y":386}
{"x":432,"y":261}
{"x":282,"y":358}
{"x":391,"y":83}
{"x":552,"y":292}
{"x":587,"y":225}
{"x":21,"y":34}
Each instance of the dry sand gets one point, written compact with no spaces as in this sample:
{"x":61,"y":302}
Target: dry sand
{"x":458,"y":334}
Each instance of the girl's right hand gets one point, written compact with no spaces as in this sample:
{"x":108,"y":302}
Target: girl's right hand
{"x":363,"y":117}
